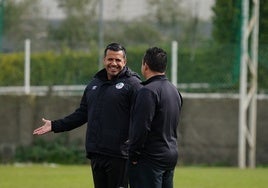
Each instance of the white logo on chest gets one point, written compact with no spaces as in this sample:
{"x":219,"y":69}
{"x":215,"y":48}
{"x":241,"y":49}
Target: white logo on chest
{"x":119,"y":85}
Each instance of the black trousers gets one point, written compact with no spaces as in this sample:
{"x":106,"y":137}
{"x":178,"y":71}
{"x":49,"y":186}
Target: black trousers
{"x":145,"y":175}
{"x":109,"y":172}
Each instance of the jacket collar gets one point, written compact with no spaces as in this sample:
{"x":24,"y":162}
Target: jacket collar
{"x":153,"y":78}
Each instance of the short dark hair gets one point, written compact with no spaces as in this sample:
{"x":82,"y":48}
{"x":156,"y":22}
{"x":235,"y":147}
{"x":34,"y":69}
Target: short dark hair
{"x":115,"y":47}
{"x":156,"y":59}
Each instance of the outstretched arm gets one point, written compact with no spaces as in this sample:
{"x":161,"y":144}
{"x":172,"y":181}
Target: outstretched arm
{"x":43,"y":129}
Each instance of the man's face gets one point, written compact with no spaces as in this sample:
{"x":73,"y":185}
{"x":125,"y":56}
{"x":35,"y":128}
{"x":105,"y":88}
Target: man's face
{"x":114,"y":62}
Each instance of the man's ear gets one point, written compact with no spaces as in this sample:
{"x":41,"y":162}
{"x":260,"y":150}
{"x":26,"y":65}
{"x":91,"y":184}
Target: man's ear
{"x":146,"y":67}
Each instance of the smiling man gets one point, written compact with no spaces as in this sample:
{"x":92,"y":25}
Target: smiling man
{"x":105,"y":107}
{"x":114,"y":62}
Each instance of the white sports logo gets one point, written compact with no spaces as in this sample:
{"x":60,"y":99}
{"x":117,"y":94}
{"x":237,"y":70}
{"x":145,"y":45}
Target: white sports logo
{"x":119,"y":85}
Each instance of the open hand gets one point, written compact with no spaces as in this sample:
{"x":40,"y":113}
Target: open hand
{"x":43,"y":129}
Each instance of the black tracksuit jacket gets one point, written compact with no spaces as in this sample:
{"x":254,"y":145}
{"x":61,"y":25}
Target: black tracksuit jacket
{"x":105,"y":106}
{"x":153,"y":131}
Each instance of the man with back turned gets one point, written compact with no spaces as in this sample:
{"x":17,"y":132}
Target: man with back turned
{"x":153,"y":148}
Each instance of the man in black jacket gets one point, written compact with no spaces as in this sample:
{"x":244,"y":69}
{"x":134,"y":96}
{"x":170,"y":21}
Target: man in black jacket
{"x":105,"y":106}
{"x":153,"y":148}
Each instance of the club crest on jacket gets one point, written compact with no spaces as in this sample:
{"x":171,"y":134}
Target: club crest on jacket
{"x":119,"y":85}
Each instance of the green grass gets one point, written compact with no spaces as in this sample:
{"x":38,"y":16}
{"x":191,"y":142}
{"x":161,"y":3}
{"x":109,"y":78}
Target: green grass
{"x":63,"y":176}
{"x":220,"y":177}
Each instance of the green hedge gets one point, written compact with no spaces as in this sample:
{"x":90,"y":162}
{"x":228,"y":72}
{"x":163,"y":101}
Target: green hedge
{"x":60,"y":151}
{"x":11,"y":69}
{"x":48,"y":68}
{"x":216,"y":65}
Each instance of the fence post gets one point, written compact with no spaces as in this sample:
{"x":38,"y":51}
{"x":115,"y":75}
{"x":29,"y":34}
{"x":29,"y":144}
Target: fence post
{"x":174,"y":63}
{"x":27,"y":66}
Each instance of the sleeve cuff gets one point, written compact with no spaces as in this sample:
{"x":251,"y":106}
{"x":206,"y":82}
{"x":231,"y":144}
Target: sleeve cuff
{"x":55,"y":127}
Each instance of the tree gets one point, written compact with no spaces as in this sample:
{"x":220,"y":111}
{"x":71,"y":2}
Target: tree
{"x":79,"y":25}
{"x":227,"y":30}
{"x":166,"y":12}
{"x":226,"y":21}
{"x":263,"y":25}
{"x":21,"y":20}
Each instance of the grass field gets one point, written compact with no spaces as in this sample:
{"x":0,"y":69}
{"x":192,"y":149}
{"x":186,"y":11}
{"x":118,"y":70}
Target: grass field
{"x":61,"y":176}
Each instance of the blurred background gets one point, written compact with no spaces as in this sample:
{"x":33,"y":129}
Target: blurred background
{"x":67,"y":39}
{"x":208,"y":33}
